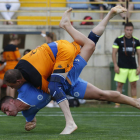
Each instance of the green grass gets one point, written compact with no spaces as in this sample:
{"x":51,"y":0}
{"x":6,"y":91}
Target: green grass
{"x":101,"y":122}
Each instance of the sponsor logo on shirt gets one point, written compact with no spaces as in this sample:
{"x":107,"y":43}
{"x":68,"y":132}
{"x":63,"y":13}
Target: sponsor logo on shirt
{"x":39,"y":97}
{"x":77,"y":60}
{"x":133,"y":42}
{"x":76,"y":94}
{"x":33,"y":52}
{"x":59,"y":66}
{"x":128,"y":49}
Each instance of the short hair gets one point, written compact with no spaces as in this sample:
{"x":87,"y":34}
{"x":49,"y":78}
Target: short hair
{"x":27,"y":50}
{"x":5,"y":99}
{"x":128,"y":24}
{"x":52,"y":35}
{"x":1,"y":53}
{"x":12,"y":75}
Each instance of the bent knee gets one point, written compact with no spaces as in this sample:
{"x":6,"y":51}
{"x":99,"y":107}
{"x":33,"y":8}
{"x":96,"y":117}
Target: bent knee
{"x":91,"y":45}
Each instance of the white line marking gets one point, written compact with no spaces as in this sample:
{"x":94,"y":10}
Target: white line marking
{"x":123,"y":115}
{"x":59,"y":112}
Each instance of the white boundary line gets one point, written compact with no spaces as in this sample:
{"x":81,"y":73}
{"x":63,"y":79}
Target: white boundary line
{"x":81,"y":115}
{"x":94,"y":114}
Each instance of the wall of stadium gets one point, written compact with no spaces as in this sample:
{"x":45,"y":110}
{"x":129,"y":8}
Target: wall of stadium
{"x":97,"y":70}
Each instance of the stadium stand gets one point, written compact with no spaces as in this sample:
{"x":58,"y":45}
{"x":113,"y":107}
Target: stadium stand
{"x":49,"y":12}
{"x":39,"y":20}
{"x":78,"y":5}
{"x":43,"y":3}
{"x":136,"y":6}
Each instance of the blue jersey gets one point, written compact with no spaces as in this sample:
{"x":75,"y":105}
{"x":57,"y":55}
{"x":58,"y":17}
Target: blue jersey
{"x":36,"y":98}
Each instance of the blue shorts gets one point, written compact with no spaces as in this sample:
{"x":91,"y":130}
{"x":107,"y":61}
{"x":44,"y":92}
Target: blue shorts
{"x":78,"y":86}
{"x":78,"y":65}
{"x":78,"y":90}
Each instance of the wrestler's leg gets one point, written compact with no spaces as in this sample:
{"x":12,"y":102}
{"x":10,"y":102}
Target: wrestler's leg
{"x":86,"y":55}
{"x":99,"y":29}
{"x":93,"y":92}
{"x":88,"y":45}
{"x":70,"y":124}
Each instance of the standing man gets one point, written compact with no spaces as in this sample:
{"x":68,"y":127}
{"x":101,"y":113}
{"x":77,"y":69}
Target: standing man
{"x":126,"y":46}
{"x":12,"y":56}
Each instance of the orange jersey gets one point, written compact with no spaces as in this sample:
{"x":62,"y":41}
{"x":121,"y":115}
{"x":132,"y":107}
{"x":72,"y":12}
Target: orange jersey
{"x":11,"y":54}
{"x":38,"y":65}
{"x":2,"y":72}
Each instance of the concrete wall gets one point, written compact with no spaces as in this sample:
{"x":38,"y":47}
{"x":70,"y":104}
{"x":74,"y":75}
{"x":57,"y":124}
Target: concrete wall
{"x":97,"y":70}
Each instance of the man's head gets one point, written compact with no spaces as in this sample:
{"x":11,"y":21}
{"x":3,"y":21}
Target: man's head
{"x":128,"y":29}
{"x":14,"y":39}
{"x":26,"y":51}
{"x":13,"y":78}
{"x":51,"y":37}
{"x":7,"y":105}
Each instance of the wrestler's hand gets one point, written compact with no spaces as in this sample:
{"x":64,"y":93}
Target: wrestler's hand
{"x":30,"y":125}
{"x":43,"y":33}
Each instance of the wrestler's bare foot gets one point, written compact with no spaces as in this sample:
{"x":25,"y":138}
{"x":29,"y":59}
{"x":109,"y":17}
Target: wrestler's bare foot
{"x":65,"y":21}
{"x":116,"y":10}
{"x":69,"y":129}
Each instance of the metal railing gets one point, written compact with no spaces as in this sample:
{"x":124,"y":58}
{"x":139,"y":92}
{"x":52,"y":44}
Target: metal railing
{"x":49,"y":10}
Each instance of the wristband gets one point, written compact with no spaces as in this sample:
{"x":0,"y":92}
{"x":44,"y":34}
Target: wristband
{"x":44,"y":35}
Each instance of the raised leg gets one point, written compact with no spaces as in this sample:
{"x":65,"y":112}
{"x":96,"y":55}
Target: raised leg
{"x":75,"y":34}
{"x":88,"y":45}
{"x":99,"y":29}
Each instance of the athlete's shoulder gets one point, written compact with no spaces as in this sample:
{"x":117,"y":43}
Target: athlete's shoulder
{"x":135,"y":38}
{"x":121,"y":36}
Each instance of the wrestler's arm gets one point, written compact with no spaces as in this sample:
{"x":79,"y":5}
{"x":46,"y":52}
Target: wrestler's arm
{"x":30,"y":120}
{"x":36,"y":99}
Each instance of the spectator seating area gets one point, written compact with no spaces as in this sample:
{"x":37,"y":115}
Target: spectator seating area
{"x":38,"y":20}
{"x":75,"y":4}
{"x":42,"y":19}
{"x":43,"y":3}
{"x":40,"y":12}
{"x":136,"y":6}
